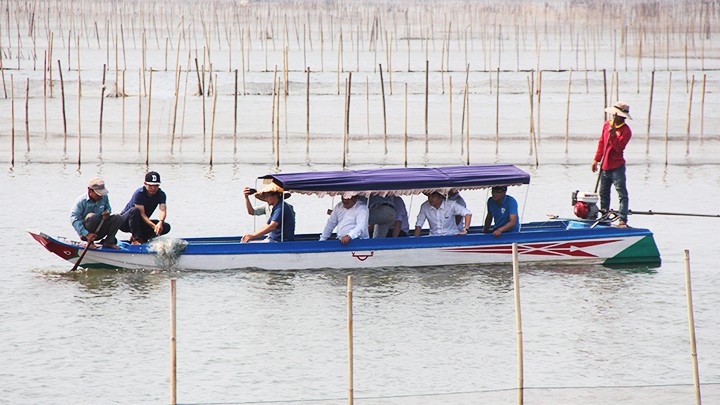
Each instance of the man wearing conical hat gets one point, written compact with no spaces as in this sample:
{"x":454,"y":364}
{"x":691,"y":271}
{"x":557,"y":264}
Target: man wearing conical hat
{"x":615,"y":136}
{"x":280,"y":226}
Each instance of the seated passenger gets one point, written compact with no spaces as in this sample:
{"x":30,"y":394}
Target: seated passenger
{"x":503,"y":210}
{"x":381,"y":215}
{"x":402,"y":223}
{"x":454,"y":196}
{"x":281,"y":224}
{"x":350,"y":216}
{"x":440,"y":215}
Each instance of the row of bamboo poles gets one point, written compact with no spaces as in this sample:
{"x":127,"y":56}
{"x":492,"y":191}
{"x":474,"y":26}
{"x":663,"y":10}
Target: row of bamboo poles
{"x":534,"y":91}
{"x":573,"y":34}
{"x":206,"y":32}
{"x":518,"y":328}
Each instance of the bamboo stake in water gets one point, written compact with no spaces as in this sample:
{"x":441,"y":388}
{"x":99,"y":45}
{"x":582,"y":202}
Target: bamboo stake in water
{"x":139,"y":110}
{"x":147,"y":136}
{"x":235,"y":108}
{"x":307,"y":112}
{"x":405,"y":133}
{"x":450,"y":100}
{"x":518,"y":322}
{"x":382,"y":88}
{"x":667,"y":116}
{"x":539,"y":92}
{"x":427,"y":78}
{"x":212,"y":122}
{"x":102,"y":105}
{"x":467,"y":125}
{"x":691,"y":327}
{"x":652,"y":91}
{"x":27,"y":122}
{"x":62,"y":93}
{"x":351,"y":394}
{"x":178,"y":73}
{"x":702,"y":108}
{"x":45,"y":63}
{"x":567,"y":112}
{"x":687,"y":134}
{"x":12,"y":122}
{"x":173,"y":343}
{"x":497,"y":112}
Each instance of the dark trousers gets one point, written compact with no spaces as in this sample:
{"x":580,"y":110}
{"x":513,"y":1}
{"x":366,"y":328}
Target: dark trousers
{"x":109,"y":227}
{"x":132,"y":222}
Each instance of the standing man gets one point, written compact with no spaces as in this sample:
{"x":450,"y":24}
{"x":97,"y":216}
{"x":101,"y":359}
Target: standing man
{"x":91,"y":210}
{"x":137,"y":212}
{"x":503,"y":209}
{"x":350,"y":216}
{"x":440,"y":215}
{"x":281,"y":224}
{"x":615,"y":136}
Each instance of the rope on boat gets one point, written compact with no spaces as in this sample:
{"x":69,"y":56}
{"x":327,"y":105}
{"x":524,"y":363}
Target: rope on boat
{"x":167,"y":251}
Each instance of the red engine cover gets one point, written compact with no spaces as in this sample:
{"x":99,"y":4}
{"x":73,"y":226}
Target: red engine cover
{"x":581,"y":210}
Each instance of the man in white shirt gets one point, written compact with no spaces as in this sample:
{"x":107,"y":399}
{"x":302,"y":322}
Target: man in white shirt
{"x":440,"y":215}
{"x":454,"y":196}
{"x":350,"y":216}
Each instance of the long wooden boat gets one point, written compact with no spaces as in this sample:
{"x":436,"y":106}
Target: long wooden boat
{"x":558,"y":240}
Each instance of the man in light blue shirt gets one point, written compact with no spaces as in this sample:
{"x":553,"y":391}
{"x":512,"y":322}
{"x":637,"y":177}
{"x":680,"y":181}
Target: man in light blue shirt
{"x":91,"y":215}
{"x":350,"y":216}
{"x":440,"y":215}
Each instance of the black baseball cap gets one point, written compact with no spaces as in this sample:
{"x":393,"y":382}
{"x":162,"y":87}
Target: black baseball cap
{"x":152,"y":178}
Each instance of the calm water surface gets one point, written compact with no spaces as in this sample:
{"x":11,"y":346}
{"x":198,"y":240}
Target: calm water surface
{"x":592,"y":335}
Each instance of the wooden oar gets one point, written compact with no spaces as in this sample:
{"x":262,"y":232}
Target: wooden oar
{"x":82,"y":255}
{"x":680,"y":214}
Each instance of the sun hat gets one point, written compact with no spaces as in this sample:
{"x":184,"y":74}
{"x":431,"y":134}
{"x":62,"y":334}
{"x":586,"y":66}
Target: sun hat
{"x":152,"y":179}
{"x":620,"y":108}
{"x":271,"y":188}
{"x":98,"y":186}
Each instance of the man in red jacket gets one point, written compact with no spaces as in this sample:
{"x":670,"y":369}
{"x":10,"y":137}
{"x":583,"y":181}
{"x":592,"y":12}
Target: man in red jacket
{"x":615,"y":136}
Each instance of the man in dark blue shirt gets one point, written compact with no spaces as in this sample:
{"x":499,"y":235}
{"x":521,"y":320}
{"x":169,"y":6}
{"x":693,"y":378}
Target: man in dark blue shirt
{"x":281,"y":224}
{"x":141,"y":206}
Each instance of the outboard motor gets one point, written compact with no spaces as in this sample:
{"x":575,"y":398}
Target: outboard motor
{"x":585,"y":204}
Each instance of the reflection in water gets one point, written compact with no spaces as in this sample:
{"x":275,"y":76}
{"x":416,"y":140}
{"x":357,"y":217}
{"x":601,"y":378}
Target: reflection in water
{"x":109,"y":281}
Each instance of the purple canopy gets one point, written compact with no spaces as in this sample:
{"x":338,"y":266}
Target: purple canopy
{"x":401,"y":181}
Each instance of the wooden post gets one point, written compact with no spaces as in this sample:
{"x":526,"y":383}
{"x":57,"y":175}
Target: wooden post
{"x":518,"y":322}
{"x":382,"y":88}
{"x":307,"y":112}
{"x":427,"y":78}
{"x":173,"y":343}
{"x":139,"y":109}
{"x":147,"y":136}
{"x":539,"y":92}
{"x":102,"y":105}
{"x":467,"y":125}
{"x":652,"y":90}
{"x":405,"y":137}
{"x":687,"y":134}
{"x":691,"y":327}
{"x":351,"y":394}
{"x":667,"y":116}
{"x":212,"y":122}
{"x":702,"y":108}
{"x":235,"y":108}
{"x":45,"y":63}
{"x":178,"y":74}
{"x":567,"y":112}
{"x":450,"y":100}
{"x":62,"y":93}
{"x":12,"y":122}
{"x":27,"y":122}
{"x":497,"y":112}
{"x":605,"y":95}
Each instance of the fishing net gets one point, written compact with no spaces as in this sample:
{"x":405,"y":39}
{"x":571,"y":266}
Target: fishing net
{"x":167,"y":251}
